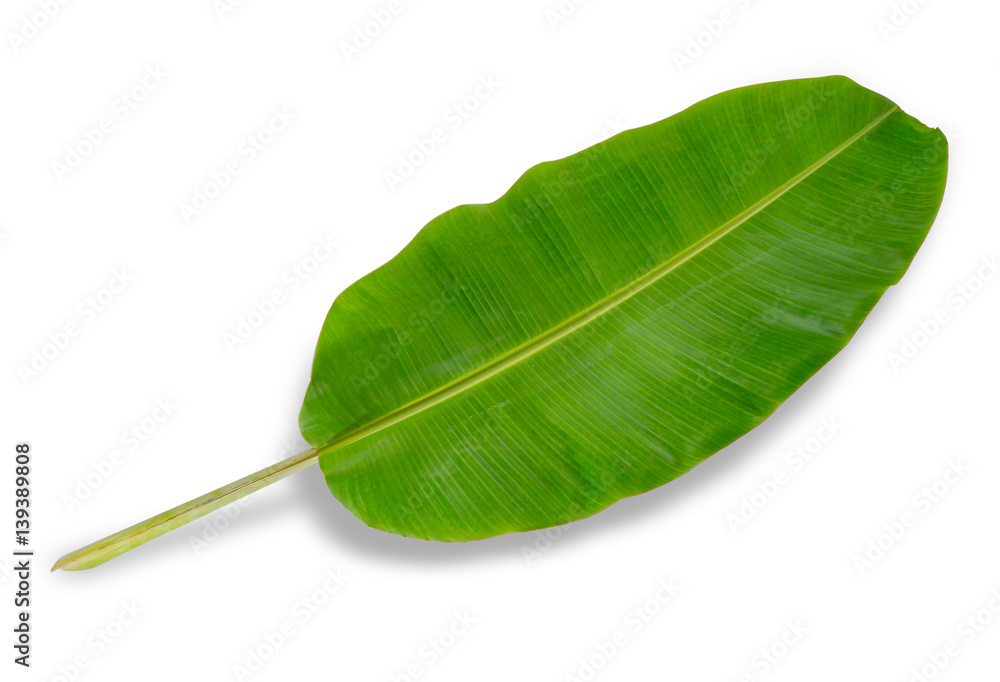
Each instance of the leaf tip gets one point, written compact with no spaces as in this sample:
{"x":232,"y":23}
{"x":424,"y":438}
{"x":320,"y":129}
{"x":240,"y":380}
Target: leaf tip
{"x":74,"y":561}
{"x":62,"y":564}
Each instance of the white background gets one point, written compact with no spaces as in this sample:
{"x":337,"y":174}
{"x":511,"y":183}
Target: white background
{"x":562,"y":85}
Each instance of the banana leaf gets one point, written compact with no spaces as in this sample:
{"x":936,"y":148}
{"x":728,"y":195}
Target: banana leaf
{"x":612,"y":320}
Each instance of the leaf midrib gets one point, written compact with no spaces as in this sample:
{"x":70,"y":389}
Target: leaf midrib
{"x":607,"y":304}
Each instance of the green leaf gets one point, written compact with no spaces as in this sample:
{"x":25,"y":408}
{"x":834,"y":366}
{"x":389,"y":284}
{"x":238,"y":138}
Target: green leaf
{"x":618,"y":315}
{"x":614,"y":319}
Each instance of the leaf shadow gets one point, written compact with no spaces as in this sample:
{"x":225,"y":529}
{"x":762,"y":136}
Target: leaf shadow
{"x":340,"y":527}
{"x":305,"y":498}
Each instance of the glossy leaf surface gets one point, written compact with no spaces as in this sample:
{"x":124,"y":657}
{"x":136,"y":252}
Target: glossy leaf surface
{"x":619,"y":315}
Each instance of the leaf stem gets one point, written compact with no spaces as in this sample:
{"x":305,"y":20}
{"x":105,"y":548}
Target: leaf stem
{"x":108,"y":548}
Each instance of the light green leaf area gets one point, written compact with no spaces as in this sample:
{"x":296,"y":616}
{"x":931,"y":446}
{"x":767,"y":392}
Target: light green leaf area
{"x":618,"y":315}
